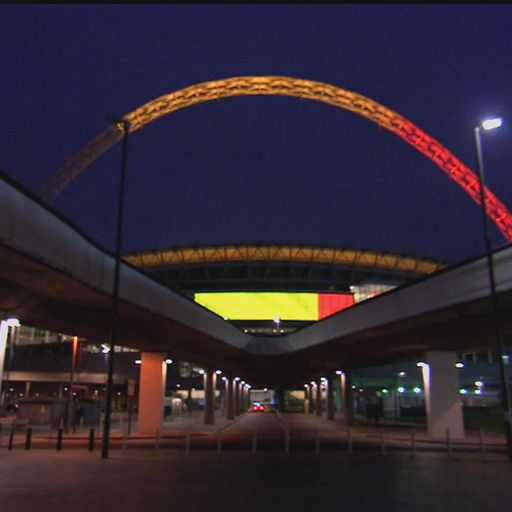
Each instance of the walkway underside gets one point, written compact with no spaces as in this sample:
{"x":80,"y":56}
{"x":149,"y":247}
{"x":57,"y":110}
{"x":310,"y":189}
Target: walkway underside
{"x":50,"y":299}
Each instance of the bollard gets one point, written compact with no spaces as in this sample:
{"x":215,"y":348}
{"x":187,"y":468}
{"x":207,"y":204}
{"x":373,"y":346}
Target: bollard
{"x":28,"y":439}
{"x":482,"y":443}
{"x":317,"y":442}
{"x":59,"y":438}
{"x":219,"y":441}
{"x":91,"y":440}
{"x":413,"y":441}
{"x":11,"y":440}
{"x":448,"y":443}
{"x":287,"y":441}
{"x":157,"y":439}
{"x":254,"y":441}
{"x":187,"y":443}
{"x":382,"y":442}
{"x":349,"y":433}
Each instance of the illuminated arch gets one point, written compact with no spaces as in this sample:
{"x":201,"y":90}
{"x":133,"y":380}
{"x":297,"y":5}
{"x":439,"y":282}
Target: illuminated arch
{"x":284,"y":86}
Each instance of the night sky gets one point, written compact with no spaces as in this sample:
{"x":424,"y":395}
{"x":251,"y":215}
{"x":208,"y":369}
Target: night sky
{"x":262,"y":169}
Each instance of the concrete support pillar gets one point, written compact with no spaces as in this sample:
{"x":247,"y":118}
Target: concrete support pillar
{"x":306,"y":399}
{"x":319,"y":404}
{"x":237,"y":398}
{"x":347,"y":397}
{"x":230,"y":397}
{"x":243,"y":400}
{"x":330,"y":397}
{"x":312,"y":395}
{"x":442,"y":399}
{"x":210,"y":378}
{"x":280,"y":392}
{"x":153,"y":371}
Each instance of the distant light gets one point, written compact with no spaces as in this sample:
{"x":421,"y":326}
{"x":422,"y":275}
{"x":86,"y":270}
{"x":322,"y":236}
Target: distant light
{"x":265,"y":389}
{"x":490,"y":124}
{"x":463,"y":391}
{"x":459,"y":365}
{"x":479,"y":383}
{"x":243,"y":382}
{"x":313,"y":382}
{"x":361,"y":390}
{"x":505,"y":358}
{"x":305,"y":385}
{"x":178,"y":385}
{"x":138,"y":361}
{"x":237,"y":379}
{"x":323,"y":379}
{"x":417,"y":389}
{"x":401,"y":374}
{"x":277,"y":319}
{"x":201,"y":372}
{"x":400,"y":389}
{"x":339,"y":372}
{"x":353,"y":387}
{"x":385,"y":391}
{"x":224,"y":379}
{"x":168,"y":361}
{"x":13,"y":322}
{"x":105,"y":348}
{"x":421,"y":364}
{"x":218,"y":372}
{"x":478,"y":391}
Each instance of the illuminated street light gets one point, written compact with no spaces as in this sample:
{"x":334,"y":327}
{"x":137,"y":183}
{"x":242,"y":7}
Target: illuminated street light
{"x":490,"y":124}
{"x":124,"y":126}
{"x":459,"y":365}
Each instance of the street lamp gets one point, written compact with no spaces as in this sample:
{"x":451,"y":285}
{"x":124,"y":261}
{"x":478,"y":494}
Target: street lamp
{"x":490,"y":124}
{"x":123,"y":125}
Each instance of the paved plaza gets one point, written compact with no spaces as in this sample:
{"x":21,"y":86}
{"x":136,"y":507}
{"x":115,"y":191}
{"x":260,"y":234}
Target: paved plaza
{"x":166,"y":480}
{"x":170,"y":478}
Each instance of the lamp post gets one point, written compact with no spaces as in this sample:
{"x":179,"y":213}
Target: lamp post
{"x":125,"y":126}
{"x":490,"y":124}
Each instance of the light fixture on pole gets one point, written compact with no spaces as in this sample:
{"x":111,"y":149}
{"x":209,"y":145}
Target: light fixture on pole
{"x":123,"y":125}
{"x":490,"y":124}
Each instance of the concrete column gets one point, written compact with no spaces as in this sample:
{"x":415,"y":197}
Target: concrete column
{"x":230,"y":397}
{"x":210,"y":378}
{"x":306,"y":399}
{"x":347,"y":398}
{"x":242,"y":398}
{"x":312,"y":402}
{"x":319,"y":404}
{"x":442,"y":399}
{"x":280,"y":399}
{"x":153,"y":371}
{"x":4,"y":332}
{"x":237,"y":398}
{"x":330,"y":398}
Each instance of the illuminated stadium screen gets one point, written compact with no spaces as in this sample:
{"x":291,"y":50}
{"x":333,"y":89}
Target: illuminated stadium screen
{"x":269,"y":305}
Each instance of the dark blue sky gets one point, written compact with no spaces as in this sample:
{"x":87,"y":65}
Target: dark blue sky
{"x":262,"y":169}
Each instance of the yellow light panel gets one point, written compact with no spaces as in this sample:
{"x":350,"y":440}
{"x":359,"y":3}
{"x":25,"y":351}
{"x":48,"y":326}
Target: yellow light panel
{"x":261,"y":305}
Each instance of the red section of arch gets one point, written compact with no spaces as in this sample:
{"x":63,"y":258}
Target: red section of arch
{"x":330,"y":303}
{"x":458,"y":172}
